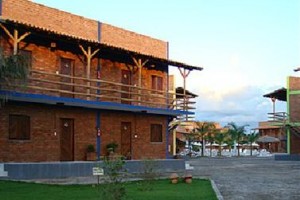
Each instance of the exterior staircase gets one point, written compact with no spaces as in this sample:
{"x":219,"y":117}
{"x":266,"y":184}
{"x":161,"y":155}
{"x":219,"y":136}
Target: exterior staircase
{"x":282,"y":119}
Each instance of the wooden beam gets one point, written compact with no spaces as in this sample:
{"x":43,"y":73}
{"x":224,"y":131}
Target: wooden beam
{"x":184,"y":75}
{"x":174,"y":142}
{"x":139,"y":64}
{"x":7,"y":31}
{"x":89,"y":55}
{"x":15,"y":37}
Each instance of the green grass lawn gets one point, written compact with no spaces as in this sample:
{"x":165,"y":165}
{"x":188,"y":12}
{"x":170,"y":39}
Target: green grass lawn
{"x":161,"y":189}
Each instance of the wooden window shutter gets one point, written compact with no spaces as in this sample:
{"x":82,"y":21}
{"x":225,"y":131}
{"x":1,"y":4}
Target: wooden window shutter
{"x":19,"y":127}
{"x":159,"y":83}
{"x":156,"y":133}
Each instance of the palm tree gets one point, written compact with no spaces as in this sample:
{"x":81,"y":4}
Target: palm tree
{"x":13,"y":70}
{"x":191,"y":138}
{"x":252,"y":137}
{"x":202,"y":129}
{"x":237,"y":133}
{"x":229,"y":141}
{"x":220,"y":139}
{"x":210,"y":138}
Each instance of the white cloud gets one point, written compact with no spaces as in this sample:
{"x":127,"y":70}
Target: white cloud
{"x":227,"y":93}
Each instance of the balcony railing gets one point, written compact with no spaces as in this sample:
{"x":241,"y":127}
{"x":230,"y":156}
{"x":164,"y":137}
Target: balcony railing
{"x":278,"y":117}
{"x":55,"y":84}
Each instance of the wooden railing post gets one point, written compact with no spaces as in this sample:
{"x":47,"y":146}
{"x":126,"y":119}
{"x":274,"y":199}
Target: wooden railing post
{"x":184,"y":75}
{"x":139,"y":64}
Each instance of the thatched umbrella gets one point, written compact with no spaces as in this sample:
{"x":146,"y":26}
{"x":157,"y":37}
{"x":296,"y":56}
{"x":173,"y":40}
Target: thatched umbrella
{"x":267,"y":139}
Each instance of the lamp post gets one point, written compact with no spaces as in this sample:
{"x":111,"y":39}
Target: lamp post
{"x":273,"y":99}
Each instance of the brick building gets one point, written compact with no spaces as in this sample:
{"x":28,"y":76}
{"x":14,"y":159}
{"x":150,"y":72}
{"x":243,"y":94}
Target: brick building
{"x":268,"y":129}
{"x":89,"y":83}
{"x":290,"y":121}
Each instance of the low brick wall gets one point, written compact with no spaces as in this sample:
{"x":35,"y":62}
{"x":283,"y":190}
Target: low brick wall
{"x":292,"y":157}
{"x":56,"y":170}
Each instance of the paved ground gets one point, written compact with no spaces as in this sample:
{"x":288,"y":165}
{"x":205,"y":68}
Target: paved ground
{"x":251,"y":178}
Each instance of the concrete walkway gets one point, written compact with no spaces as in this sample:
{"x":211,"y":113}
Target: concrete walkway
{"x":254,"y":178}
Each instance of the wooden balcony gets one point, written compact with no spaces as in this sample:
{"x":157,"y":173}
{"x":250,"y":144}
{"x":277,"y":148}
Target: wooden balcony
{"x":278,"y":117}
{"x":58,"y":85}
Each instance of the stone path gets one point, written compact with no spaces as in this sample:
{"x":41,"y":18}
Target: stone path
{"x":254,"y":178}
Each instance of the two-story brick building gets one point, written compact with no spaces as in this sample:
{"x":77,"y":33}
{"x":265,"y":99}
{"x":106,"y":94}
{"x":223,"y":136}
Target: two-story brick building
{"x":89,"y":83}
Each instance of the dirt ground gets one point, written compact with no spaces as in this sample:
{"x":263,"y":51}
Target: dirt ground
{"x":250,"y":178}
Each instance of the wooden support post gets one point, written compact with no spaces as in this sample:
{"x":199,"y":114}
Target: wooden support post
{"x":15,"y":40}
{"x":184,"y":75}
{"x":174,"y":142}
{"x":89,"y":55}
{"x":15,"y":37}
{"x":139,"y":64}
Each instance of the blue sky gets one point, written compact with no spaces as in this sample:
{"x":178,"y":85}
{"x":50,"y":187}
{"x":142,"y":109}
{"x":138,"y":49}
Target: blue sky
{"x":247,"y":47}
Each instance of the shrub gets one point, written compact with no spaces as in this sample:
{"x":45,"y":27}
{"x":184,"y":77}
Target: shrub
{"x":114,"y":188}
{"x":90,"y":148}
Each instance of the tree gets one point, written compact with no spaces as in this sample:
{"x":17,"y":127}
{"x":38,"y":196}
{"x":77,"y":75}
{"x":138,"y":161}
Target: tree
{"x":252,"y":137}
{"x":202,"y":129}
{"x":190,"y":138}
{"x":210,"y":137}
{"x":13,"y":70}
{"x":229,"y":141}
{"x":237,"y":133}
{"x":220,"y":139}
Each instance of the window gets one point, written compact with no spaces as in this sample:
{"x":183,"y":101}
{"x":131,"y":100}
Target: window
{"x":27,"y":56}
{"x":156,"y":133}
{"x":19,"y":127}
{"x":157,"y":82}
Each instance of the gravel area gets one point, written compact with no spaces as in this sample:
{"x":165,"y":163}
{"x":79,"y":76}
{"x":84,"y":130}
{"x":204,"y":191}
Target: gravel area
{"x":242,"y":178}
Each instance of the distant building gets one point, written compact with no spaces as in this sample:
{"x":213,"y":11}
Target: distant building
{"x":288,"y":122}
{"x":184,"y":130}
{"x":267,"y":129}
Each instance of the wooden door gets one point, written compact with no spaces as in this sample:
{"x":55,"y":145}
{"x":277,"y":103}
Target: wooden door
{"x":66,"y":139}
{"x":126,"y":80}
{"x":66,"y":68}
{"x":126,"y":139}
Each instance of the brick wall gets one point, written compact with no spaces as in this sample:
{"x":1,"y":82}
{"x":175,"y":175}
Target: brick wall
{"x":294,"y":99}
{"x":140,"y":126}
{"x":294,"y":84}
{"x":49,"y":18}
{"x":44,"y":145}
{"x":66,"y":23}
{"x":133,"y":41}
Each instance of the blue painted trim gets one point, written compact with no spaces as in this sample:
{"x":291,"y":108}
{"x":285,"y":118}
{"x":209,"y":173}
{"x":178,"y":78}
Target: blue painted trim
{"x":98,"y":73}
{"x":167,"y":75}
{"x":99,"y":31}
{"x":167,"y":100}
{"x":168,"y":52}
{"x":98,"y":118}
{"x":1,"y":7}
{"x":52,"y":100}
{"x":167,"y":139}
{"x":98,"y":142}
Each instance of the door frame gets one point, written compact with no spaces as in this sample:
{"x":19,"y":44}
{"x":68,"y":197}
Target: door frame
{"x":130,"y":138}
